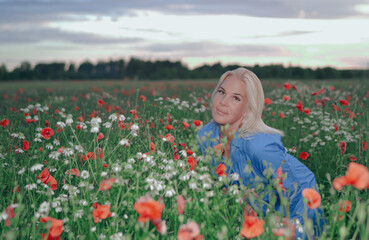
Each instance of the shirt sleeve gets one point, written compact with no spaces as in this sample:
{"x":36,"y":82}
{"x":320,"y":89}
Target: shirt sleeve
{"x":270,"y":152}
{"x":201,"y":141}
{"x":266,"y":152}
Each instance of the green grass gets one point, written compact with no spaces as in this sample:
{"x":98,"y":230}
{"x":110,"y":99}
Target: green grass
{"x":219,"y":215}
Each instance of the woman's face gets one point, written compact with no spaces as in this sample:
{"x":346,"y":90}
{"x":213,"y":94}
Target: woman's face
{"x":229,"y":103}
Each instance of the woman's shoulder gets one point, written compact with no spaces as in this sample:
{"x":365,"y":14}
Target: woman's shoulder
{"x":209,"y":128}
{"x":261,"y":141}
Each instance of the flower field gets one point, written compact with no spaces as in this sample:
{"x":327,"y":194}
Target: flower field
{"x":118,"y":160}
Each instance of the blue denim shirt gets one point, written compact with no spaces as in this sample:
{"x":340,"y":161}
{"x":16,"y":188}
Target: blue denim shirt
{"x":257,"y":148}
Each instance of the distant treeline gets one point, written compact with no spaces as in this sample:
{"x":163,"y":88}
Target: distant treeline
{"x":136,"y":69}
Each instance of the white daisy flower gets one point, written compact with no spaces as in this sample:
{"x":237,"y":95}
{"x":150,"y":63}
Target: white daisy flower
{"x":21,"y":171}
{"x":122,"y":117}
{"x":113,"y":117}
{"x":85,"y":174}
{"x":36,"y":167}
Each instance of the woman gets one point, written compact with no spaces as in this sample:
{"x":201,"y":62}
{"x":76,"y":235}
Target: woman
{"x":237,"y":105}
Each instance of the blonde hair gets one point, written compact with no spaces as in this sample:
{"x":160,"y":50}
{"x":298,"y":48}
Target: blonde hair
{"x":252,"y":123}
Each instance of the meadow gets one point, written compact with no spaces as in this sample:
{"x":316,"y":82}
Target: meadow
{"x":119,"y":160}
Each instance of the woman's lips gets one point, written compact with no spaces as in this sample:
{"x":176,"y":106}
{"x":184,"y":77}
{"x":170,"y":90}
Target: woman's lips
{"x":220,"y":112}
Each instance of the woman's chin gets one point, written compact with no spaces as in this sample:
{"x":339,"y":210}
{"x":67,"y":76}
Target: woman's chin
{"x":220,"y":121}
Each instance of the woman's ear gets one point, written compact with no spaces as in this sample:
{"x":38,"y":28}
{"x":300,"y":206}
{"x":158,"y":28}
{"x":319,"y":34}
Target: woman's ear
{"x":245,"y":112}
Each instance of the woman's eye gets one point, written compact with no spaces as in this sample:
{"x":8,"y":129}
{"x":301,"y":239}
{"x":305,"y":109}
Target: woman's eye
{"x":221,"y":91}
{"x":237,"y":99}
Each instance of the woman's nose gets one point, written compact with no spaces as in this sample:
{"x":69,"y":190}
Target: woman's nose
{"x":224,"y":100}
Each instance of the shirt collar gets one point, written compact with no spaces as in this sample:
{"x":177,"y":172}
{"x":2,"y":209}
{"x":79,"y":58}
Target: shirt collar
{"x":236,"y":141}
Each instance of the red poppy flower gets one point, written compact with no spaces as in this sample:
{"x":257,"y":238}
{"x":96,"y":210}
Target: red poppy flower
{"x":280,"y":179}
{"x":218,"y":149}
{"x":99,"y":152}
{"x":100,"y":212}
{"x":143,"y":98}
{"x":108,"y":107}
{"x":299,"y":106}
{"x":294,"y":87}
{"x":287,"y":229}
{"x":342,"y":146}
{"x":4,"y":122}
{"x":30,"y":120}
{"x":16,"y":189}
{"x":148,"y":209}
{"x":169,"y":127}
{"x":88,"y":156}
{"x":335,"y":108}
{"x":189,"y":152}
{"x":221,"y":170}
{"x":47,"y":133}
{"x":252,"y":227}
{"x":106,"y":184}
{"x":168,"y":118}
{"x":61,"y":149}
{"x":365,"y":146}
{"x":282,"y":115}
{"x":313,"y":197}
{"x":307,"y":111}
{"x":345,"y":206}
{"x":25,"y":145}
{"x":185,"y":125}
{"x":55,"y":230}
{"x":100,"y":103}
{"x":152,"y":147}
{"x":74,"y":172}
{"x":267,"y":101}
{"x":352,"y":158}
{"x":49,"y":180}
{"x":197,"y":123}
{"x":304,"y":155}
{"x":181,"y":202}
{"x":134,"y":113}
{"x":189,"y":231}
{"x":169,"y":137}
{"x":192,"y":162}
{"x":357,"y":175}
{"x":339,"y":183}
{"x":287,"y":86}
{"x":286,"y":98}
{"x":10,"y":212}
{"x":344,"y":102}
{"x":100,"y":136}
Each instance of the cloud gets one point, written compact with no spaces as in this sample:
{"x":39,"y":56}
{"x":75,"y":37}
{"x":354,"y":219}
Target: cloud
{"x":43,"y":11}
{"x":355,"y":62}
{"x":211,"y":49}
{"x":284,"y":34}
{"x":40,"y":34}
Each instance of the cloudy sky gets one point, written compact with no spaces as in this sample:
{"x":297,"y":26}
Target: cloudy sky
{"x":308,"y":33}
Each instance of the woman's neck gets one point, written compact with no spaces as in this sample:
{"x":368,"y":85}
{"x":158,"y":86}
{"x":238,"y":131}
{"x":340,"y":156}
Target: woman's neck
{"x":229,"y":132}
